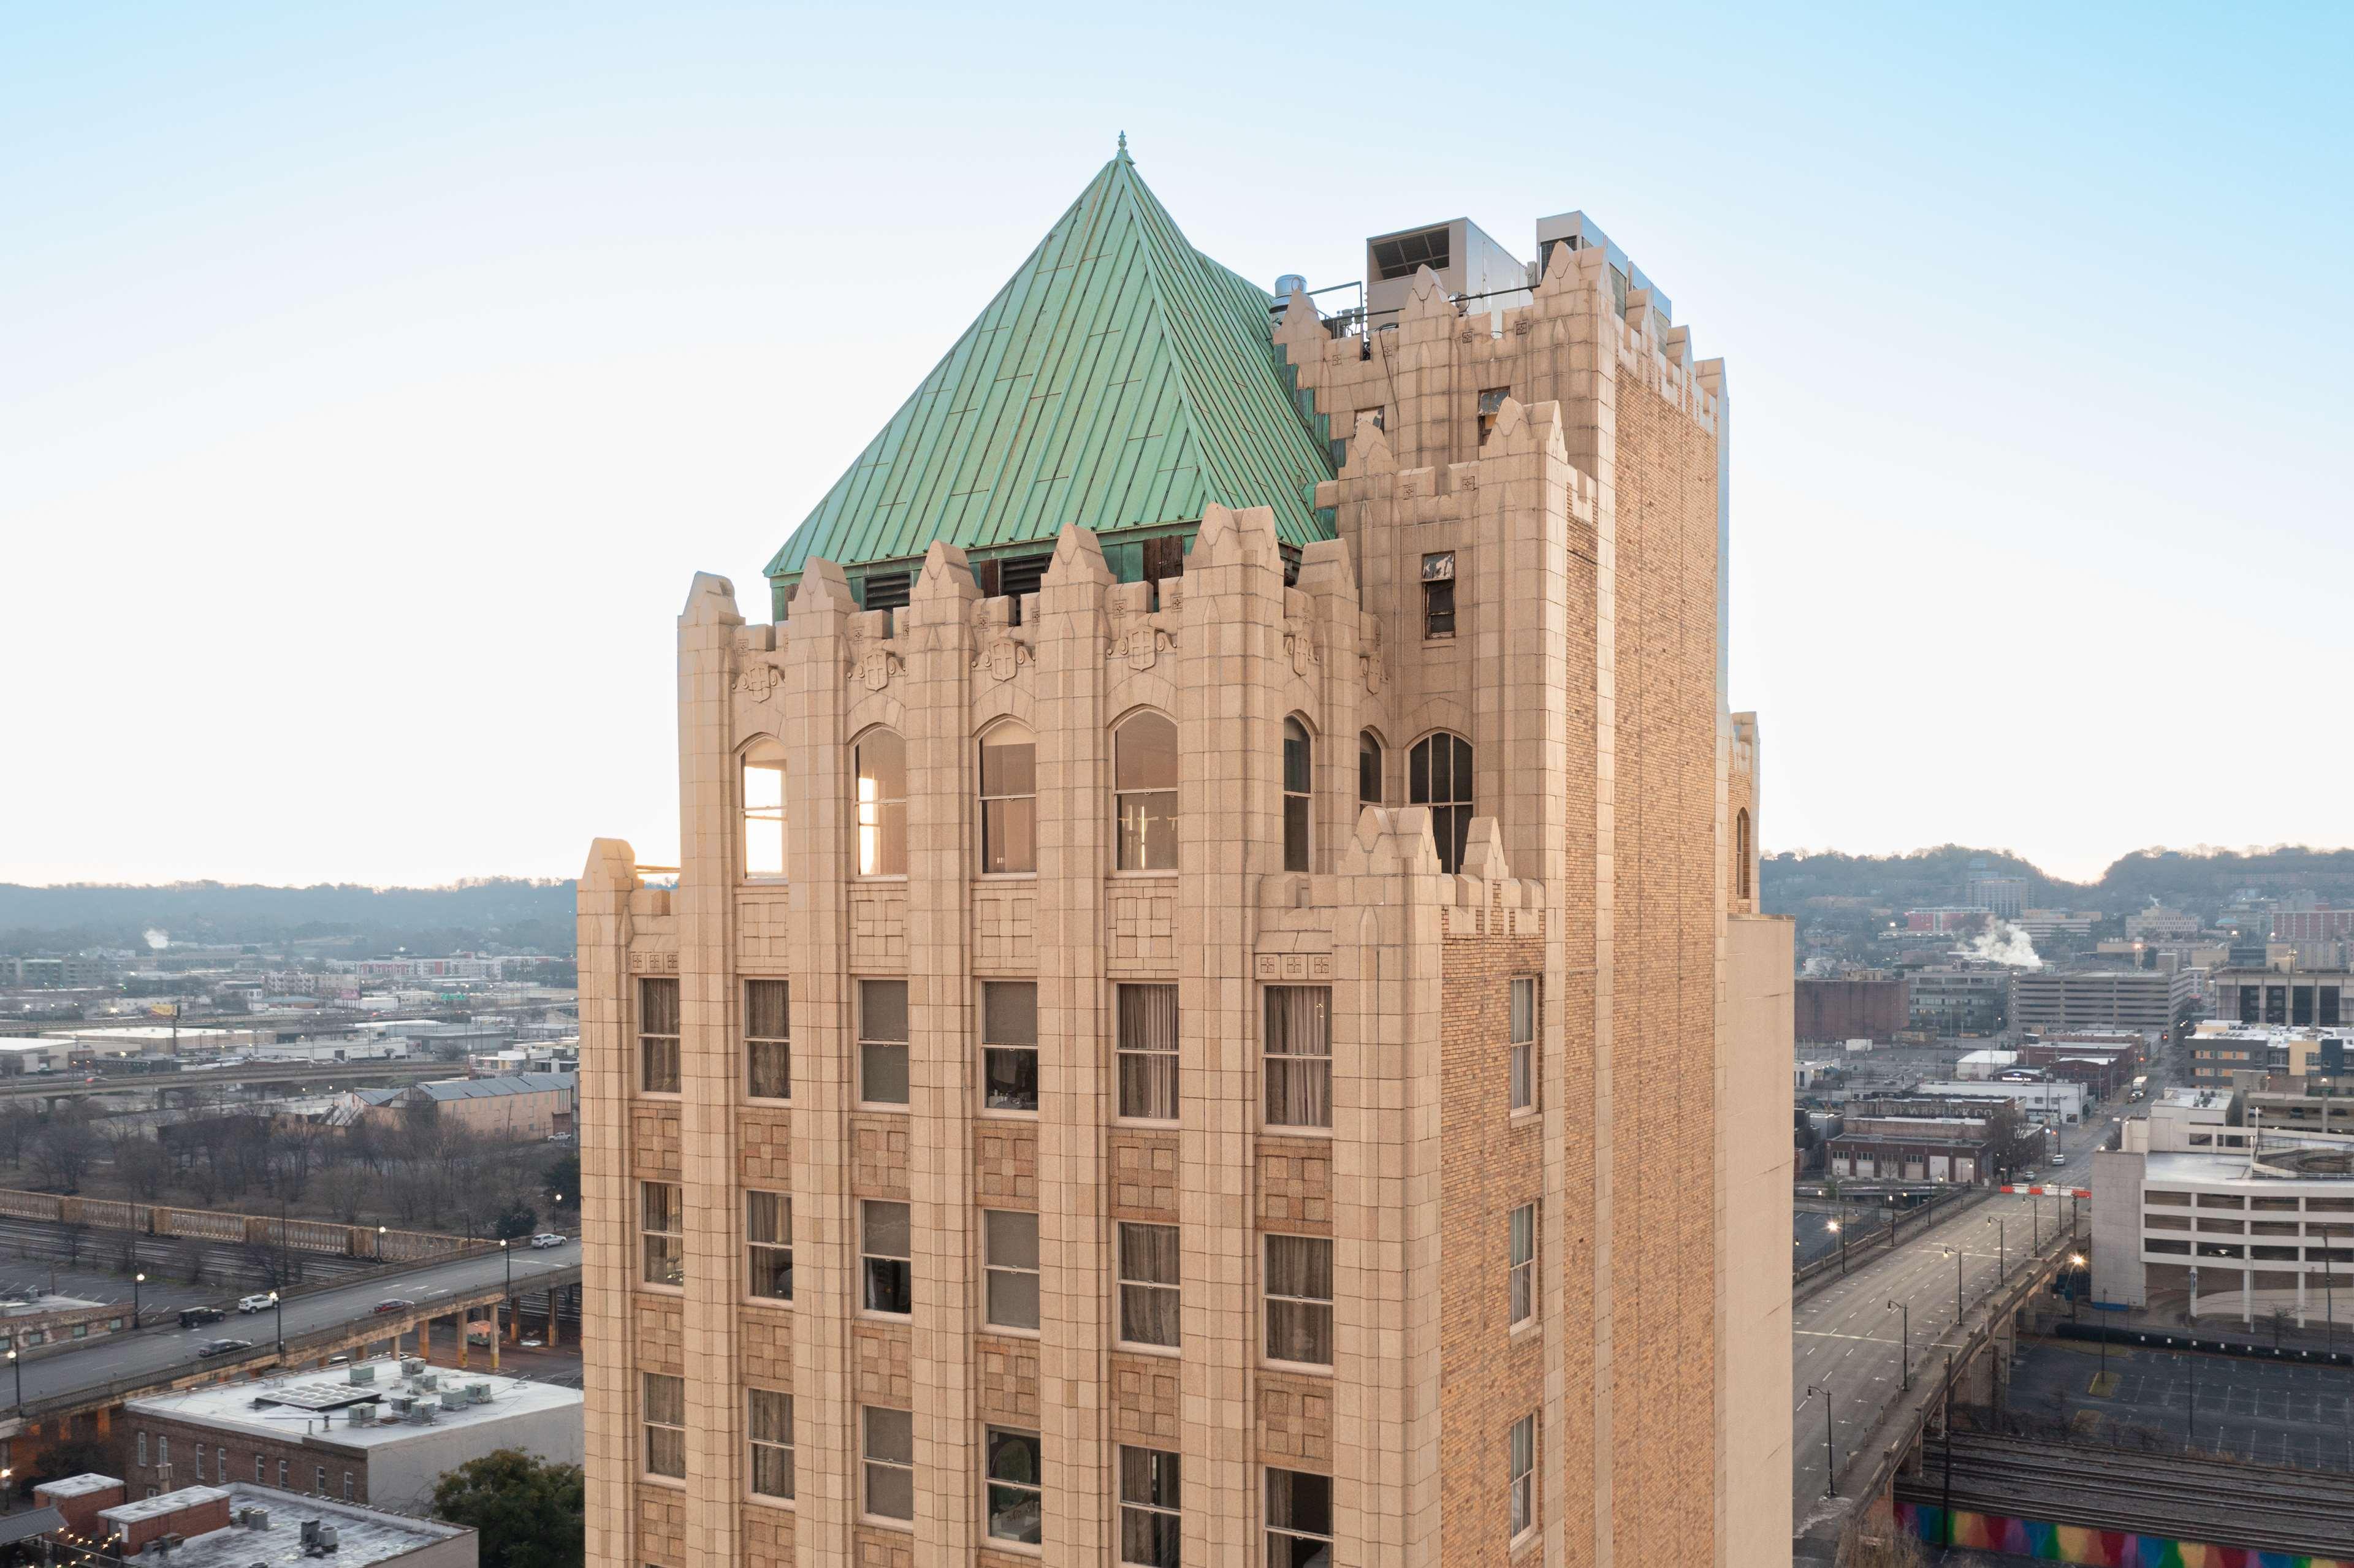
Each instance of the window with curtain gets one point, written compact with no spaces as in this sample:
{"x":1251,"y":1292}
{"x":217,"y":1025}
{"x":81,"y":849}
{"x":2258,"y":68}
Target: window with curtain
{"x":767,"y":1039}
{"x":661,"y":1232}
{"x":1148,"y":1284}
{"x":1150,"y":1521}
{"x":882,"y":803}
{"x":886,"y":1257}
{"x":1523,"y":1067}
{"x":1299,"y":1060}
{"x":1299,"y":1299}
{"x":658,"y":1036}
{"x":1369,"y":770}
{"x":1522,"y":1478}
{"x":1148,"y":1051}
{"x":769,"y":1232}
{"x":1010,"y":1268}
{"x":762,"y":781}
{"x":1521,"y":1271}
{"x":1299,"y":793}
{"x":770,"y":1419}
{"x":1008,"y":1044}
{"x":1438,"y":775}
{"x":1009,"y":800}
{"x":883,"y":1042}
{"x":1144,"y":784}
{"x":1011,"y":1459}
{"x":665,"y":1421}
{"x":1299,"y":1519}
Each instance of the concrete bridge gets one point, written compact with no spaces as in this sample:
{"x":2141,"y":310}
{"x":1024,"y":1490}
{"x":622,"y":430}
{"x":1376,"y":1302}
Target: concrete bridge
{"x":52,"y":1089}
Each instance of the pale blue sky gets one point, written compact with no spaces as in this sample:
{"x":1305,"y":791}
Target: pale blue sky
{"x":372,"y":380}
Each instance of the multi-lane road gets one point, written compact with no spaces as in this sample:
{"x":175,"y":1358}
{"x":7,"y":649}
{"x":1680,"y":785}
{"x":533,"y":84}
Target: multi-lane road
{"x":161,"y":1354}
{"x":1848,"y":1342}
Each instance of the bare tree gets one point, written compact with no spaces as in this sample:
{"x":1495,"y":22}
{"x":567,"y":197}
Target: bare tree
{"x":142,"y":1163}
{"x":63,"y":1151}
{"x":17,"y":1125}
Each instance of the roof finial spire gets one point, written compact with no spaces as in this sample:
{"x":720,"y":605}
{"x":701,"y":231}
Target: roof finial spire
{"x":1123,"y":149}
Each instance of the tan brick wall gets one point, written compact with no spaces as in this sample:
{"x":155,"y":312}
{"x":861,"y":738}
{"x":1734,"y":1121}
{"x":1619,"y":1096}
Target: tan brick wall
{"x":882,"y":1375}
{"x":1007,"y":1390}
{"x":1147,"y":1400}
{"x":653,"y":1141}
{"x":662,"y":1335}
{"x":764,"y":1339}
{"x":1005,"y":1164}
{"x":768,"y":1537}
{"x":662,"y":1525}
{"x":881,"y":1548}
{"x":878,"y":1156}
{"x":765,"y":1153}
{"x":1295,"y":1421}
{"x":1144,"y":1176}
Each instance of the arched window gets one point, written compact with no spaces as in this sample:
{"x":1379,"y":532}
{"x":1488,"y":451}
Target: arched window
{"x":1144,"y":780}
{"x":1369,"y":768}
{"x":1297,"y":789}
{"x":882,"y":767}
{"x":1741,"y":852}
{"x":1009,"y":800}
{"x":763,"y":783}
{"x":1438,"y":775}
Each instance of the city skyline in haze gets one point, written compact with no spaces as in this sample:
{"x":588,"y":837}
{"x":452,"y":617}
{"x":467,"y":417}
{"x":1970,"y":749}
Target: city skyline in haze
{"x":375,"y":383}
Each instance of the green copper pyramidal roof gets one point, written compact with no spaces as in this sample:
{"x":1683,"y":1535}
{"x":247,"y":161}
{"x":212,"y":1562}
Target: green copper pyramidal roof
{"x":1120,"y":380}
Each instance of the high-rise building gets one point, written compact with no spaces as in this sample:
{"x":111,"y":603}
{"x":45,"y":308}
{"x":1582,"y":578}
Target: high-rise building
{"x":1214,"y":1010}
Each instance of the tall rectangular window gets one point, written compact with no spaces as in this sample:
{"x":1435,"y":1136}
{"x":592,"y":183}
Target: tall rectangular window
{"x":1522,"y":1478}
{"x":883,"y":1251}
{"x":1012,"y":1460}
{"x":1151,"y":1523}
{"x":767,"y":1039}
{"x":1438,"y":593}
{"x":1148,"y":1284}
{"x":658,"y":1036}
{"x":770,"y":1419}
{"x":1524,"y":1068}
{"x":1299,"y":1299}
{"x":763,"y":779}
{"x":1009,"y":800}
{"x":1010,"y":1240}
{"x":1008,"y":1044}
{"x":661,"y":1232}
{"x":769,"y":1232}
{"x":889,"y":1451}
{"x":666,"y":1419}
{"x":1299,"y":1056}
{"x":883,"y":1042}
{"x":1521,"y":1272}
{"x":1299,"y":1519}
{"x":1148,"y":1051}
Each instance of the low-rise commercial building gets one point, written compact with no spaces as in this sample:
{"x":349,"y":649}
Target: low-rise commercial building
{"x":57,"y":974}
{"x":1924,"y":1140}
{"x":238,"y":1525}
{"x":1955,"y":1001}
{"x":2140,"y":1000}
{"x":2234,"y":1233}
{"x":2221,"y":1048}
{"x":379,"y":1432}
{"x":526,"y":1105}
{"x":2157,"y":922}
{"x":2046,"y":1100}
{"x":1876,"y":1010}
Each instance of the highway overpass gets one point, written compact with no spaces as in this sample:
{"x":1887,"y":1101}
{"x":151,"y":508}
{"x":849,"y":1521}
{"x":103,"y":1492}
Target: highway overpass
{"x":51,"y":1088}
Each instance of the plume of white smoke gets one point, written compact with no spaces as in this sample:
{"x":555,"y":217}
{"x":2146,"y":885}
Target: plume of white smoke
{"x":2004,"y":943}
{"x":157,"y":941}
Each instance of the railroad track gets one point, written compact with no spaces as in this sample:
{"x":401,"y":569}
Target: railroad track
{"x":2217,"y":1501}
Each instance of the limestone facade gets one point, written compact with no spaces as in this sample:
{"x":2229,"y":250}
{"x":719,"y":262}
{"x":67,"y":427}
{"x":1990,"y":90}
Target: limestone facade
{"x":1570,"y":1262}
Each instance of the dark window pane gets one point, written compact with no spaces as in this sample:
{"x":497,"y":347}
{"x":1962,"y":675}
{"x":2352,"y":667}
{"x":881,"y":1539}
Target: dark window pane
{"x":768,"y":1009}
{"x":883,"y":1009}
{"x":1297,"y":1500}
{"x":1009,"y":1012}
{"x":1011,"y":1079}
{"x":1369,"y":771}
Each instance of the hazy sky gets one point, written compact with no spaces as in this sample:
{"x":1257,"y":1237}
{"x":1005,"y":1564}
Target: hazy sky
{"x":372,"y":379}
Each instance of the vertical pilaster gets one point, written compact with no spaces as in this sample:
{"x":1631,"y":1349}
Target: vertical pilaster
{"x":606,"y":883}
{"x":1230,"y":758}
{"x":1325,"y":576}
{"x":1075,"y":1098}
{"x":703,"y":907}
{"x":817,"y":860}
{"x":942,"y":855}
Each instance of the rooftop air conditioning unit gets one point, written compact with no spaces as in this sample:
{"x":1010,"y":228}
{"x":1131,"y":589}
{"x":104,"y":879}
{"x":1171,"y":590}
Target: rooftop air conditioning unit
{"x":428,"y":1380}
{"x":329,"y":1539}
{"x":363,"y":1374}
{"x":362,"y":1415}
{"x":256,"y":1518}
{"x":411,"y":1366}
{"x":479,"y":1391}
{"x":400,"y":1404}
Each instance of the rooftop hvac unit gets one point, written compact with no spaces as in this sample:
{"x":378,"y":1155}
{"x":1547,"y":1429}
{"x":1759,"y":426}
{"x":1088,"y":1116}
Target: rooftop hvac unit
{"x":428,"y":1380}
{"x":257,"y":1519}
{"x":328,"y":1538}
{"x":400,"y":1404}
{"x":411,"y":1366}
{"x":362,"y":1415}
{"x":421,"y":1416}
{"x":480,"y":1393}
{"x":363,"y":1374}
{"x":310,"y":1532}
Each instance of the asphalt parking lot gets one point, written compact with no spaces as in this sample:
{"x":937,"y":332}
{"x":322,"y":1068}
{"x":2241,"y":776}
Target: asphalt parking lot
{"x":2271,"y":1412}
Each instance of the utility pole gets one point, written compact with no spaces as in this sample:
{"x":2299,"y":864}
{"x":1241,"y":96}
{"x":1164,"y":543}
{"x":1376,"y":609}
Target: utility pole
{"x":1830,"y":1453}
{"x":1905,"y":1355}
{"x":1946,"y":1508}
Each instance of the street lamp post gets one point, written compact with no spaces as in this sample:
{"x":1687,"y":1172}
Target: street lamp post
{"x":1958,"y":1288}
{"x":19,"y":1365}
{"x":1830,"y":1453}
{"x":1840,"y":1231}
{"x":2002,"y":1253}
{"x":136,"y":1281}
{"x":1905,"y":1356}
{"x":277,"y":1305}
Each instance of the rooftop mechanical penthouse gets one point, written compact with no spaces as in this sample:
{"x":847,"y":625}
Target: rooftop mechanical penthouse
{"x":1214,"y":1010}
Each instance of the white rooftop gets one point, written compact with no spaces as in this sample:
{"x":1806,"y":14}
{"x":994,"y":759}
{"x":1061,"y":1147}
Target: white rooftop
{"x":80,"y":1485}
{"x":139,"y":1509}
{"x":321,"y":1402}
{"x":363,"y":1535}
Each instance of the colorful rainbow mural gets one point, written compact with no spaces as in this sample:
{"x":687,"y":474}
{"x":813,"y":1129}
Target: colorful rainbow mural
{"x":2093,"y":1548}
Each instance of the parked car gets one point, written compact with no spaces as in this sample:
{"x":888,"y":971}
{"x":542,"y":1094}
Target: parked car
{"x":261,"y":1303}
{"x":395,"y":1304}
{"x":548,"y":1238}
{"x":191,"y":1317}
{"x":224,"y":1347}
{"x":2063,"y":1159}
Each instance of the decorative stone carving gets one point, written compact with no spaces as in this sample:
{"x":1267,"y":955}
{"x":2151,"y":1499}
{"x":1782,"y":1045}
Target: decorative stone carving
{"x":1299,"y":642}
{"x":1135,"y":638}
{"x":759,"y":680}
{"x":872,"y":665}
{"x":996,"y":649}
{"x":1372,"y":662}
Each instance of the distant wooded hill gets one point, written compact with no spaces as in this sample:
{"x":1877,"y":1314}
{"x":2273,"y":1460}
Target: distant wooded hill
{"x":500,"y":915}
{"x":2197,"y":879}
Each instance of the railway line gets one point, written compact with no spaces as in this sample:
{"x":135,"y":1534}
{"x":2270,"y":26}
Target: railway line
{"x":2202,"y":1499}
